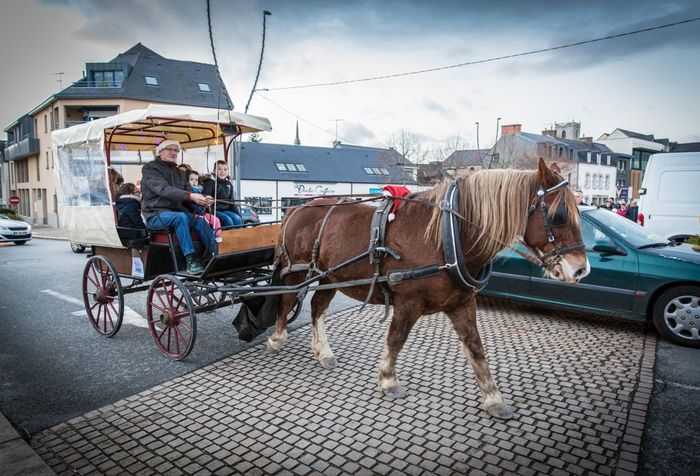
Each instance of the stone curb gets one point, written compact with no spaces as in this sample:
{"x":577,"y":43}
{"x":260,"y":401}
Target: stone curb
{"x":16,"y":456}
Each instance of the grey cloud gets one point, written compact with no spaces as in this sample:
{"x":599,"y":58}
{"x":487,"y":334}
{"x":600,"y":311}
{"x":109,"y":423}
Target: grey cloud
{"x":356,"y":133}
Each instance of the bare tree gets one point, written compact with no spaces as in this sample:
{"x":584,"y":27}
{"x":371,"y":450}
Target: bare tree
{"x":409,"y":145}
{"x":442,"y":150}
{"x":510,"y":153}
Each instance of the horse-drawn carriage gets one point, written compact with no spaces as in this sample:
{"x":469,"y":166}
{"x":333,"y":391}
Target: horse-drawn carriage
{"x":153,"y":261}
{"x":434,"y":257}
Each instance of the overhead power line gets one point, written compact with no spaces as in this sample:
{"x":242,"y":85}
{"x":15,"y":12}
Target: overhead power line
{"x":487,"y":60}
{"x":330,"y":133}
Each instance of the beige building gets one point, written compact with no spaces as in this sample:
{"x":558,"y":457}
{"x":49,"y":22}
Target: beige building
{"x":132,"y":80}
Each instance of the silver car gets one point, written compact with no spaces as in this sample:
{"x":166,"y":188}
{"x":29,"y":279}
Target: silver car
{"x":15,"y":231}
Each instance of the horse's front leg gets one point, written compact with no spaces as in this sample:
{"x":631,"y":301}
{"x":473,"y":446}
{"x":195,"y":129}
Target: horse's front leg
{"x":464,"y":322}
{"x":278,"y":338}
{"x":405,"y":316}
{"x":319,"y":341}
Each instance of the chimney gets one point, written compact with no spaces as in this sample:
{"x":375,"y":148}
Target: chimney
{"x":549,"y":132}
{"x":510,"y":129}
{"x":587,"y":140}
{"x":296,"y":139}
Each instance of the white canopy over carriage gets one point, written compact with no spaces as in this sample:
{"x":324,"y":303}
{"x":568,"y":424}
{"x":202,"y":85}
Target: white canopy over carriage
{"x":85,"y":152}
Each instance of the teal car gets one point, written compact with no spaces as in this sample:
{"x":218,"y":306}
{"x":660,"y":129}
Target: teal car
{"x":634,"y":274}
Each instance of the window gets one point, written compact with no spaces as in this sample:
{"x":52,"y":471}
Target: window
{"x":46,"y":125}
{"x":204,"y":87}
{"x":607,"y":181}
{"x":588,"y":157}
{"x":608,"y":159}
{"x":587,"y":182}
{"x":367,"y":170}
{"x":151,"y":80}
{"x":108,"y":79}
{"x":38,"y":169}
{"x":265,"y":204}
{"x":560,"y":152}
{"x":571,"y":154}
{"x":47,"y":160}
{"x":384,"y":171}
{"x":38,"y":194}
{"x":597,"y":158}
{"x":287,"y":167}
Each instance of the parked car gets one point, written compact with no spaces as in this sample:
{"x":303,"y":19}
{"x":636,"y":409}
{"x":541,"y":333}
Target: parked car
{"x":248,"y":215}
{"x":16,"y":231}
{"x":77,"y":247}
{"x":635,"y":274}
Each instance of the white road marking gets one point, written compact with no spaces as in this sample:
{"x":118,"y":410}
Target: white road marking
{"x":63,"y":297}
{"x":130,"y":316}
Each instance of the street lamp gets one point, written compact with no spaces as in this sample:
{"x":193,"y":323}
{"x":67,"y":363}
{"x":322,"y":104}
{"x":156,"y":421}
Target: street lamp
{"x":266,"y":13}
{"x":497,"y":121}
{"x":478,"y":149}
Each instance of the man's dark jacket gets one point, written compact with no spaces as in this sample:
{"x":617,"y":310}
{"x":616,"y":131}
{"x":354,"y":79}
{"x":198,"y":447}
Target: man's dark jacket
{"x":163,"y":187}
{"x":224,"y":191}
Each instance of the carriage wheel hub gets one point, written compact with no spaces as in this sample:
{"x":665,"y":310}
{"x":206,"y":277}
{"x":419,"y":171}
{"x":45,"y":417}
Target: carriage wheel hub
{"x":99,"y":296}
{"x":168,"y":318}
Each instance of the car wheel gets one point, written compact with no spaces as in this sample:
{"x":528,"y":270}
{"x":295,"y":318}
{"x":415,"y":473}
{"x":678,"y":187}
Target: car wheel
{"x":77,"y":248}
{"x":676,"y":315}
{"x":20,"y":243}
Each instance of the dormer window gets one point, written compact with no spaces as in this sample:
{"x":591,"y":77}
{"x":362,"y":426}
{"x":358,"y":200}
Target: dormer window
{"x":204,"y":87}
{"x":151,"y":80}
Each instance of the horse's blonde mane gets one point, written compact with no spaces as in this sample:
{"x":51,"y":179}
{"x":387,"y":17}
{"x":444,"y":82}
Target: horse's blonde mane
{"x":495,"y":206}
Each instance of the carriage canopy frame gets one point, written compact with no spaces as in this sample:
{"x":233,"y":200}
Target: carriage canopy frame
{"x":85,"y":152}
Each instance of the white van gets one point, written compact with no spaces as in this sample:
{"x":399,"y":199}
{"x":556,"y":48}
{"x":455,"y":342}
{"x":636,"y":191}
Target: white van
{"x":670,"y":195}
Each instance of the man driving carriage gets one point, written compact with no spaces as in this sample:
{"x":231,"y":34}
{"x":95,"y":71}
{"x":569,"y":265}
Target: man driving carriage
{"x":164,"y":191}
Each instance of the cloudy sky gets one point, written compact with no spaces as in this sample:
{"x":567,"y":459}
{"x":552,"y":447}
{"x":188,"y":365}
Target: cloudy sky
{"x":646,"y":83}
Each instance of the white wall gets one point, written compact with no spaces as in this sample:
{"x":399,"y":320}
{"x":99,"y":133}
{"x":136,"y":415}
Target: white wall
{"x":277,"y":190}
{"x":594,"y":191}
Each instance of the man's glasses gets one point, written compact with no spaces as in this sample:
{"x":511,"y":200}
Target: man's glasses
{"x":172,"y":149}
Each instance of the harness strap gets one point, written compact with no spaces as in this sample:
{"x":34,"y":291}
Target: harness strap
{"x":452,"y":249}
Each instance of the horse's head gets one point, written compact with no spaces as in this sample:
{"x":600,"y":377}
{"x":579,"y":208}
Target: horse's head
{"x":553,"y":229}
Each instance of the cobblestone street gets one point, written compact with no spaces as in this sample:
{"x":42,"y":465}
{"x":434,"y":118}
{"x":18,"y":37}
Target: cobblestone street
{"x":580,"y":386}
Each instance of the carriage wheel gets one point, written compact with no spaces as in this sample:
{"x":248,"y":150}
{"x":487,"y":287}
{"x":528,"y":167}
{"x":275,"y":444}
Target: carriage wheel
{"x":103,"y":296}
{"x":171,"y":317}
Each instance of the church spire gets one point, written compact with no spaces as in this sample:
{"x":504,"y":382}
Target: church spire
{"x":296,"y":139}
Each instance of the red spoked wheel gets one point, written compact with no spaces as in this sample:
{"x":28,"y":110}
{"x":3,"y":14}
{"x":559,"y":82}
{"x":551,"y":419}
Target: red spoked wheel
{"x":171,"y":317}
{"x":103,"y":296}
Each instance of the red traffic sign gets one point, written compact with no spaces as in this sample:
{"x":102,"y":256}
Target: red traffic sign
{"x":14,"y":200}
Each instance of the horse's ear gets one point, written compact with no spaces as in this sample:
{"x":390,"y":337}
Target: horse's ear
{"x":555,"y":168}
{"x":546,"y":176}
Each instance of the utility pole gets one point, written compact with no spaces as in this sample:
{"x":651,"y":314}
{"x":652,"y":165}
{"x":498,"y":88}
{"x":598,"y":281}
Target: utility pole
{"x":478,"y":149}
{"x":262,"y":52}
{"x":59,"y":80}
{"x":336,"y":142}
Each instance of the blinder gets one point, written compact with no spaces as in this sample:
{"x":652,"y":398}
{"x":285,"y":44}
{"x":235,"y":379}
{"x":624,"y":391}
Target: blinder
{"x":559,"y":218}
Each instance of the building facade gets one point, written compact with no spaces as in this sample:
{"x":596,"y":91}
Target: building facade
{"x":132,"y":80}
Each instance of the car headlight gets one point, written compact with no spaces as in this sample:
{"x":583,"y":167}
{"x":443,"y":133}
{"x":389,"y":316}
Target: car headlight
{"x":29,"y":227}
{"x":3,"y":228}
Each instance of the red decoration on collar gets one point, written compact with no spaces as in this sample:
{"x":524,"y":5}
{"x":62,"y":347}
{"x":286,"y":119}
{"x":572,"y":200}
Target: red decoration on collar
{"x":395,"y":191}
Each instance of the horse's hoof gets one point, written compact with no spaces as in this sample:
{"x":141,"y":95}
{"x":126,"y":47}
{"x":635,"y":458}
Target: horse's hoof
{"x":273,"y":346}
{"x":394,"y":392}
{"x":328,"y":362}
{"x":500,"y":410}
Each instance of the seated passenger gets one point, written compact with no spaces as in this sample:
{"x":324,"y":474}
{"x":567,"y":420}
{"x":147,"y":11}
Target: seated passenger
{"x":129,"y":218}
{"x":164,"y":192}
{"x":222,"y":191}
{"x":215,"y":223}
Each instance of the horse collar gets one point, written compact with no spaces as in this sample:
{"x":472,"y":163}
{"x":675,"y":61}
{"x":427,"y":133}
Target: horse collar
{"x":454,"y":258}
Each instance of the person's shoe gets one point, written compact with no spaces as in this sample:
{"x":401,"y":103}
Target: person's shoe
{"x":193,"y":265}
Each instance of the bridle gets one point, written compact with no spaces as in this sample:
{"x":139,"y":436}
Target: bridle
{"x":560,"y":218}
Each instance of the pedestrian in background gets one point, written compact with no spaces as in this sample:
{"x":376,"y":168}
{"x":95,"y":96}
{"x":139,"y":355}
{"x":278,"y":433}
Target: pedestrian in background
{"x":633,"y":211}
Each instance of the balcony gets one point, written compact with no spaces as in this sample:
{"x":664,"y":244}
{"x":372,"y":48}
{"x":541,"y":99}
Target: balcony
{"x":22,"y":149}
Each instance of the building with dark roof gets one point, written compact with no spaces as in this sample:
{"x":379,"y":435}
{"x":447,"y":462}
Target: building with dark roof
{"x":287,"y":175}
{"x":131,"y":80}
{"x":592,"y":167}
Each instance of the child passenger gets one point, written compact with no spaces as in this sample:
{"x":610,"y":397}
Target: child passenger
{"x":215,"y":223}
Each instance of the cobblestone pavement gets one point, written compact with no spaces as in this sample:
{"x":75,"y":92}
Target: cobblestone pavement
{"x":580,"y":386}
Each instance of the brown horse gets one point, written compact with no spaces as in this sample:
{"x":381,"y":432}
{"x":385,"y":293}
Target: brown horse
{"x":496,"y":206}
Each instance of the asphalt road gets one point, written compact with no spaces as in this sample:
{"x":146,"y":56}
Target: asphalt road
{"x":54,"y":365}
